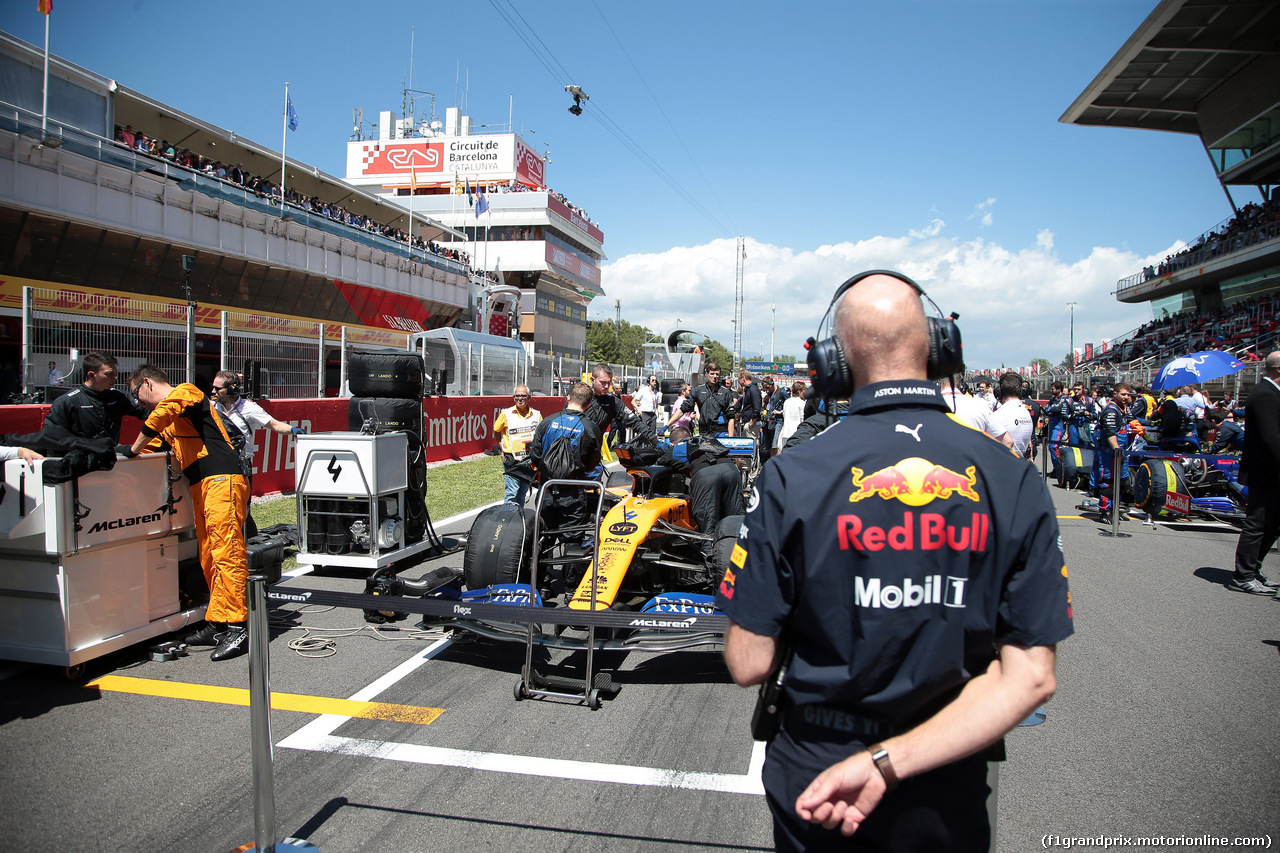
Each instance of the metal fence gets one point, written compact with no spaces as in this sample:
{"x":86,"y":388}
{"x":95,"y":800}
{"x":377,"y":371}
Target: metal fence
{"x":291,"y":352}
{"x":298,"y":358}
{"x":57,"y":325}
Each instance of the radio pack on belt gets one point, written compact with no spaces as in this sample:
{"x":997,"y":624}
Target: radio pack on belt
{"x":767,"y":715}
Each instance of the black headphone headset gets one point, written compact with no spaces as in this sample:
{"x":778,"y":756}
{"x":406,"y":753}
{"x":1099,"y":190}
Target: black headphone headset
{"x":232,"y":388}
{"x":829,"y":373}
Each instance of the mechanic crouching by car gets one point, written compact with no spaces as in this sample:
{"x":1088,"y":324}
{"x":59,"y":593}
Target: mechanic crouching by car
{"x":715,"y":484}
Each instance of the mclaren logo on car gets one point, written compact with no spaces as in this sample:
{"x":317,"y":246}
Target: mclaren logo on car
{"x":663,"y":623}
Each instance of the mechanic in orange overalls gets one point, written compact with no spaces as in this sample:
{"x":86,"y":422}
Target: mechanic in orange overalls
{"x":184,"y":418}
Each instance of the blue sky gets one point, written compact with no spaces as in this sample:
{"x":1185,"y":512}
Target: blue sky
{"x":834,"y":136}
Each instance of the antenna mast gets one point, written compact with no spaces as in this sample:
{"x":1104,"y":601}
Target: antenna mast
{"x":741,"y":261}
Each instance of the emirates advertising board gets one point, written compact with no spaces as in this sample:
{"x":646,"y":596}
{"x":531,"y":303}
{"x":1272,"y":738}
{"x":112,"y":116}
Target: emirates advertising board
{"x":438,"y":160}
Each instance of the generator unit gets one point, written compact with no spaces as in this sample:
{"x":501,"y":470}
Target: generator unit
{"x":358,"y":506}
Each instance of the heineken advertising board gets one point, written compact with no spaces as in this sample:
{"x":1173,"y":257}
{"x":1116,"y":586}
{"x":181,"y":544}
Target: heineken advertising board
{"x":783,"y":368}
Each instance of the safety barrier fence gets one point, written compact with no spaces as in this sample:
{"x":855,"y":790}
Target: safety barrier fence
{"x":299,"y":358}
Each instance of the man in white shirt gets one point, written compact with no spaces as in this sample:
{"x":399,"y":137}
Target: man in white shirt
{"x":973,"y":412}
{"x":1011,"y":423}
{"x":55,"y":376}
{"x":646,"y":400}
{"x":246,"y":416}
{"x":985,"y":396}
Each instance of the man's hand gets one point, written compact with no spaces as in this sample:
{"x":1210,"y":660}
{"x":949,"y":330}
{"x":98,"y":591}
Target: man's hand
{"x":28,"y":455}
{"x":843,"y":795}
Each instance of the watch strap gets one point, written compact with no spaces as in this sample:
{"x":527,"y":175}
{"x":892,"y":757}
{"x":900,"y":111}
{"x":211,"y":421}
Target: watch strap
{"x":880,"y":756}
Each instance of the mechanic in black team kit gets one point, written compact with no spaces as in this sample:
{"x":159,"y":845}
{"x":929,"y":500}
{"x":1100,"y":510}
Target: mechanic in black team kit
{"x":95,"y":409}
{"x":714,"y":402}
{"x":912,"y":567}
{"x":607,"y":411}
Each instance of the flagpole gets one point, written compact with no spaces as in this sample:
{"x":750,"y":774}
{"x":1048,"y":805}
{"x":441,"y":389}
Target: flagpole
{"x":44,"y":107}
{"x":413,"y":190}
{"x":284,"y":140}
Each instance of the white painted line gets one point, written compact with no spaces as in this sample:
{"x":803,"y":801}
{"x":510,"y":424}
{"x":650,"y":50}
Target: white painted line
{"x":317,"y":736}
{"x":526,"y":765}
{"x":326,"y":724}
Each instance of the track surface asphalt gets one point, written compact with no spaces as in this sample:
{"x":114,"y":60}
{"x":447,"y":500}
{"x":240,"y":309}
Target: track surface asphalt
{"x":1165,"y":724}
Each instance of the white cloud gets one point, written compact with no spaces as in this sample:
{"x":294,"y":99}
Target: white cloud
{"x":934,"y":228}
{"x":982,"y":212}
{"x":1012,"y":302}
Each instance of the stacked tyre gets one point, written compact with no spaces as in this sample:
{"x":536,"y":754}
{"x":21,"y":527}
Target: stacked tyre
{"x":388,"y":389}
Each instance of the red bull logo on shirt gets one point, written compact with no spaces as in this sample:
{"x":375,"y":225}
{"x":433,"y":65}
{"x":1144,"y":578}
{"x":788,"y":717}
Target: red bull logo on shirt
{"x":929,"y":531}
{"x":915,"y":482}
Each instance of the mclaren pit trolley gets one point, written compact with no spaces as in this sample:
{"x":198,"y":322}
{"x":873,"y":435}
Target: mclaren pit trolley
{"x":92,"y":565}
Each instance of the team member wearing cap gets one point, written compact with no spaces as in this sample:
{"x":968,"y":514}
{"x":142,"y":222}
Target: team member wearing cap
{"x":912,"y":566}
{"x":185,"y":419}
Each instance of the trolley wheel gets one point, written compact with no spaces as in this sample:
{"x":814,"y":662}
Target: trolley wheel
{"x":74,"y":672}
{"x":593,"y":699}
{"x":520,"y":692}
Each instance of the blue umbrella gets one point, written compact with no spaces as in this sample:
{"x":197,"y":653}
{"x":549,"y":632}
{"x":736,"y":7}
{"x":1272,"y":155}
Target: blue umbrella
{"x":1196,"y":368}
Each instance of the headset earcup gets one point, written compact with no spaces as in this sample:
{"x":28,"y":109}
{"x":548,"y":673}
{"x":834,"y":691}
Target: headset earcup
{"x":829,"y":371}
{"x":946,"y":353}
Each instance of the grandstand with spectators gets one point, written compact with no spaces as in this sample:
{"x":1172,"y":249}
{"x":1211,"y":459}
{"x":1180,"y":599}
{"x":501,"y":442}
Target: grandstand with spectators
{"x":113,"y":198}
{"x":1209,"y":68}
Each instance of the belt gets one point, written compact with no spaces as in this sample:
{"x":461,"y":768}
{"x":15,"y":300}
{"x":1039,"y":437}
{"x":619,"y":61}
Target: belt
{"x":828,"y":722}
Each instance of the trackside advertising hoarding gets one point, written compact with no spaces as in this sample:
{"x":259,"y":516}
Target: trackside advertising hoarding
{"x":454,"y":427}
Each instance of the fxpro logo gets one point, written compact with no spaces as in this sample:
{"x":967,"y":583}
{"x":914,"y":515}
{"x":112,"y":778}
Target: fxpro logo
{"x":118,"y":523}
{"x":869,"y":592}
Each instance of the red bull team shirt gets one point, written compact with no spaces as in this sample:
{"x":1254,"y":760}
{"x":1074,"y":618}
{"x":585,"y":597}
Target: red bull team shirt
{"x":894,"y":551}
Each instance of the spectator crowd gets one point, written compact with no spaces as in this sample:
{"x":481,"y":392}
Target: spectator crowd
{"x":1252,"y":224}
{"x":267,"y":190}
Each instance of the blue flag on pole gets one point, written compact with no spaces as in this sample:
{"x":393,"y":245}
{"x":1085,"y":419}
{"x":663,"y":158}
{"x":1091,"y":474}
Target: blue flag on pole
{"x":482,"y":203}
{"x":293,"y":117}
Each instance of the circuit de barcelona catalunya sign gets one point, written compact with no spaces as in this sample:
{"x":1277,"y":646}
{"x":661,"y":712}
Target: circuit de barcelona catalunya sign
{"x":437,"y":160}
